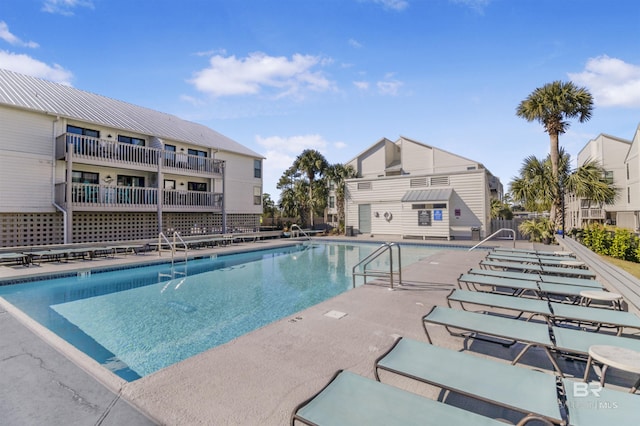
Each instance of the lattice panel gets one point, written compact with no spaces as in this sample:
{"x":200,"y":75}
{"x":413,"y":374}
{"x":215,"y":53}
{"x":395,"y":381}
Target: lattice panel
{"x":30,"y":229}
{"x":208,"y":223}
{"x":114,"y":226}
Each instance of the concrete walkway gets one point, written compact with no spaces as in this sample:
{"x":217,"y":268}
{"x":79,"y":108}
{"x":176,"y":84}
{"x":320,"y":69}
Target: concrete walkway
{"x":256,"y":379}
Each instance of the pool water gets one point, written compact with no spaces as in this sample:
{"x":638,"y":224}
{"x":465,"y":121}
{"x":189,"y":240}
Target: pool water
{"x":136,"y":321}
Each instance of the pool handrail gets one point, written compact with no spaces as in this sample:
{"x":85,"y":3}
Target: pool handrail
{"x":299,"y":229}
{"x":494,"y":234}
{"x":374,"y":255}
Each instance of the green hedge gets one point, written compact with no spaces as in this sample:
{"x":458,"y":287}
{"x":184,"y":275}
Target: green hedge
{"x":619,"y":243}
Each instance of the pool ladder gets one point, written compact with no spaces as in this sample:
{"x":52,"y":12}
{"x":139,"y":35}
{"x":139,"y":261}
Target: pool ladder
{"x":384,"y":248}
{"x":173,"y":245}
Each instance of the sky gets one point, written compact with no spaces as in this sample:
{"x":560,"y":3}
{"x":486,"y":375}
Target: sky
{"x":282,"y":76}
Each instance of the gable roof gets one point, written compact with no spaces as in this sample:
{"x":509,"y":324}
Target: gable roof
{"x":34,"y":94}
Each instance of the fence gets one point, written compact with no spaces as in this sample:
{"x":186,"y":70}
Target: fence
{"x":510,"y":224}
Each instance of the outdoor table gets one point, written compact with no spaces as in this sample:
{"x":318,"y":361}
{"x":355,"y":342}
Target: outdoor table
{"x":616,"y":357}
{"x":589,"y":295}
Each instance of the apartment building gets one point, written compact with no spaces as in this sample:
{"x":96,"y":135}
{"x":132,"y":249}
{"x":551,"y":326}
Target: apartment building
{"x":419,"y":191}
{"x":616,"y":156}
{"x":79,"y":167}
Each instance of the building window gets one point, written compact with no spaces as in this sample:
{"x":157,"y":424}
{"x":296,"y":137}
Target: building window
{"x":628,"y":195}
{"x":197,"y":152}
{"x":137,"y":181}
{"x":82,"y":131}
{"x":197,"y":186}
{"x":627,"y":171}
{"x":608,"y":176}
{"x":257,"y":168}
{"x":332,"y":185}
{"x":131,"y":140}
{"x":332,"y":202}
{"x":257,"y":195}
{"x":84,"y":177}
{"x":363,"y":186}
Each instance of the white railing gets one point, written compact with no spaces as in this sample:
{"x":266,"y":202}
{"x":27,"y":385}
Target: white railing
{"x":496,"y":233}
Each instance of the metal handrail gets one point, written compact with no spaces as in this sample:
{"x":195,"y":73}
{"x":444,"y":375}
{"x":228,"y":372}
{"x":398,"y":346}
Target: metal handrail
{"x":374,"y":255}
{"x":301,"y":230}
{"x":494,"y":234}
{"x":186,"y":248}
{"x":172,"y":246}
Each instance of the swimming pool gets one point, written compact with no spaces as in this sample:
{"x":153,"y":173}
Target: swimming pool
{"x":136,"y":321}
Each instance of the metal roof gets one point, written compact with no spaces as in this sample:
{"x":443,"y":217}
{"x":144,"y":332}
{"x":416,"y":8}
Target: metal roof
{"x":56,"y":99}
{"x":427,"y":195}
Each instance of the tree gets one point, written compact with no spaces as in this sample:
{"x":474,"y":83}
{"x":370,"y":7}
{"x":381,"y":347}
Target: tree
{"x":551,"y":105}
{"x":312,"y":163}
{"x":338,"y":174}
{"x":532,"y":188}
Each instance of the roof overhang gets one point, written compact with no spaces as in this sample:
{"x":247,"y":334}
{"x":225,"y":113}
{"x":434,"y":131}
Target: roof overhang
{"x":431,"y":195}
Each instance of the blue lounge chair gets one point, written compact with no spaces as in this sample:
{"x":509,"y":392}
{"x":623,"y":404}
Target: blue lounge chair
{"x":529,"y":392}
{"x":540,"y":269}
{"x":553,"y":312}
{"x":350,"y":399}
{"x":582,"y":282}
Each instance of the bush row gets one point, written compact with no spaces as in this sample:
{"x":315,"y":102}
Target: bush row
{"x":619,"y":243}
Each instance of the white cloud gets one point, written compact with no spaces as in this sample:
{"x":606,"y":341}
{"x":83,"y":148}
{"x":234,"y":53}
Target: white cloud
{"x":10,"y":38}
{"x":340,"y":145}
{"x":355,"y":43}
{"x":398,"y":5}
{"x":258,"y":72}
{"x":612,"y":81}
{"x":25,"y":64}
{"x":477,"y":5}
{"x":362,"y":85}
{"x":65,"y":7}
{"x":389,"y":87}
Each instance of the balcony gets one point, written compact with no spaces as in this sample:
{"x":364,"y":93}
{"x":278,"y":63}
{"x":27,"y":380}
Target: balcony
{"x":592,"y":214}
{"x":90,"y":197}
{"x":104,"y":152}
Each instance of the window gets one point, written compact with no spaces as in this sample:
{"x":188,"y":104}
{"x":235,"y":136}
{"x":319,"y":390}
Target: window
{"x":628,"y":195}
{"x":332,"y":185}
{"x":169,"y":184}
{"x":627,"y":171}
{"x":332,"y":202}
{"x":257,"y":195}
{"x":131,"y":140}
{"x":82,"y":131}
{"x":170,"y":155}
{"x":257,"y":168}
{"x":197,"y":186}
{"x":137,"y":181}
{"x":197,"y":152}
{"x":84,"y":177}
{"x":608,"y":176}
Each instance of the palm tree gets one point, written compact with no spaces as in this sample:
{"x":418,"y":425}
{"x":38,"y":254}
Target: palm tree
{"x":338,"y":174}
{"x":551,"y":105}
{"x":311,"y":163}
{"x":532,"y":188}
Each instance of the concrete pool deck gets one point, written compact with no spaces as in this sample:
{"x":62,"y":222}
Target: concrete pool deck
{"x":256,"y":379}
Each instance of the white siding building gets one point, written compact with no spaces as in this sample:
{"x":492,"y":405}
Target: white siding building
{"x":80,"y":167}
{"x":415,"y":190}
{"x":610,"y":152}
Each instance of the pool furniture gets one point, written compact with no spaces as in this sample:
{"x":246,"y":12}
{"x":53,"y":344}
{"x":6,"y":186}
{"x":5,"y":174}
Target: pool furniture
{"x":530,"y":392}
{"x":36,"y":257}
{"x":604,"y":407}
{"x":589,"y":296}
{"x":351,"y":399}
{"x":529,"y":255}
{"x":521,"y":287}
{"x":583,"y":282}
{"x":17,"y":258}
{"x":616,"y":357}
{"x":570,"y":342}
{"x":540,"y":269}
{"x":538,"y":261}
{"x":536,"y":252}
{"x":553,"y":312}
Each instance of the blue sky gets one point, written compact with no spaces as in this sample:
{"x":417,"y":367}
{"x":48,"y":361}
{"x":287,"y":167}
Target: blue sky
{"x":281,"y":76}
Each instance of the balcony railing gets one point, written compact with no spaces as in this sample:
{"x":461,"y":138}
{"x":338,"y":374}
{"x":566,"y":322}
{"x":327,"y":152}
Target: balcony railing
{"x":123,"y":154}
{"x":94,"y":197}
{"x":592,"y":213}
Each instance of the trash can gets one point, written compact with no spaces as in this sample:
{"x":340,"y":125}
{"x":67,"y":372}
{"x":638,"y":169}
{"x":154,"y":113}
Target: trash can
{"x":475,"y":233}
{"x":349,"y":231}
